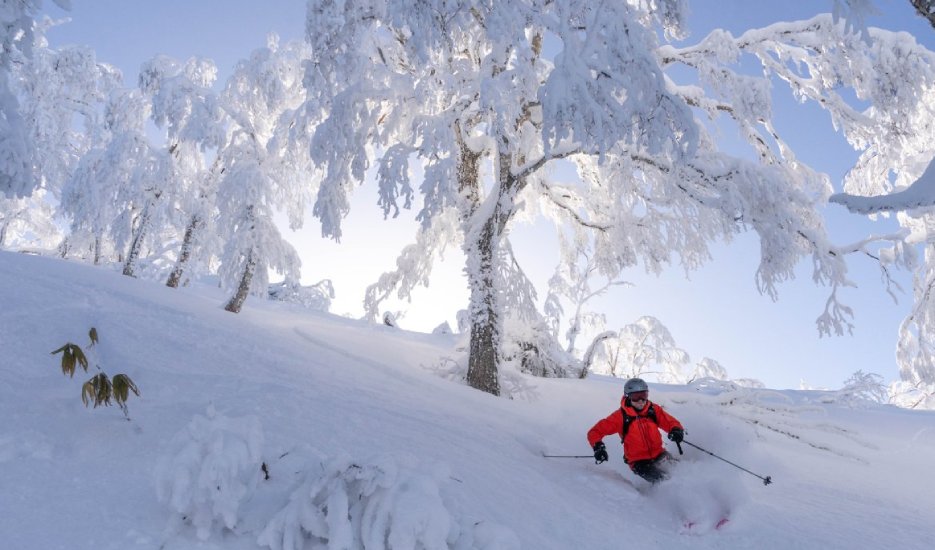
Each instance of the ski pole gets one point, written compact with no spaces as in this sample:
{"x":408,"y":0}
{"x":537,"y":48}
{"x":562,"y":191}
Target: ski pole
{"x":567,"y":456}
{"x":766,"y":480}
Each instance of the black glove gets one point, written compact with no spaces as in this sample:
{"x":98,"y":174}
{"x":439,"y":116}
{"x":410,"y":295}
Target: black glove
{"x":600,"y":452}
{"x":677,"y":434}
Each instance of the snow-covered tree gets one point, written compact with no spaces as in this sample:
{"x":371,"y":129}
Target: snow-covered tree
{"x":895,"y":173}
{"x":462,"y":89}
{"x":645,"y":347}
{"x":507,"y":89}
{"x":17,"y":163}
{"x":264,"y":94}
{"x":863,"y":387}
{"x":708,"y":368}
{"x":915,"y":349}
{"x":63,"y":92}
{"x":186,"y":108}
{"x":317,"y":296}
{"x":117,"y":185}
{"x":533,"y":349}
{"x":912,"y":396}
{"x":28,"y":222}
{"x":572,"y":281}
{"x":926,"y":9}
{"x":57,"y":96}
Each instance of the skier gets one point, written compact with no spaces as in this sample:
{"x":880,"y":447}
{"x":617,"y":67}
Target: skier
{"x":638,"y":421}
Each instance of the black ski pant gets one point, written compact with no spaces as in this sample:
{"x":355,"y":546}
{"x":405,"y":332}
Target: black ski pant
{"x":652,"y":470}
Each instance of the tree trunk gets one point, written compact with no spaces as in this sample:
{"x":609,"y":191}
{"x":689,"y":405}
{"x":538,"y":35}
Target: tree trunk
{"x":592,"y":349}
{"x":63,"y":248}
{"x":129,"y":267}
{"x":236,"y":302}
{"x":484,"y":358}
{"x":185,"y":253}
{"x":483,"y":355}
{"x":97,"y":250}
{"x":925,"y":8}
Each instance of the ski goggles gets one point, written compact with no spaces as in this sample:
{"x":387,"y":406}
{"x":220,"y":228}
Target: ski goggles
{"x":638,"y":396}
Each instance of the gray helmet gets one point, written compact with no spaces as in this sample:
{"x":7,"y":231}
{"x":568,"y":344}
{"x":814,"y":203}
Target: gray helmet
{"x":634,"y":384}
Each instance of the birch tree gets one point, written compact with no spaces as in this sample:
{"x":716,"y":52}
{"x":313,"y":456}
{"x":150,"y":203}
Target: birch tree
{"x":573,"y":282}
{"x":55,"y":109}
{"x":185,"y":107}
{"x":263,"y":94}
{"x":117,"y":185}
{"x":66,"y":86}
{"x":17,"y":168}
{"x":895,"y":175}
{"x":28,"y":222}
{"x":644,"y":347}
{"x":926,"y":9}
{"x":63,"y":92}
{"x":469,"y":89}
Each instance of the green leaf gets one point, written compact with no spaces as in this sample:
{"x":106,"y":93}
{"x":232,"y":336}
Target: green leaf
{"x":87,"y":393}
{"x":68,"y":362}
{"x":79,"y":355}
{"x":122,"y":386}
{"x":101,"y":388}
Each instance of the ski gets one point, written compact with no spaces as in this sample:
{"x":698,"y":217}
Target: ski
{"x":698,"y":527}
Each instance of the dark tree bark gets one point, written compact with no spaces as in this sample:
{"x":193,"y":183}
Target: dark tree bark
{"x":925,"y":8}
{"x":237,"y":300}
{"x":484,"y":359}
{"x":185,"y":253}
{"x":136,"y":245}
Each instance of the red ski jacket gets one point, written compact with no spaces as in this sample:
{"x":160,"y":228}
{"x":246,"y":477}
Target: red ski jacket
{"x":642,"y":441}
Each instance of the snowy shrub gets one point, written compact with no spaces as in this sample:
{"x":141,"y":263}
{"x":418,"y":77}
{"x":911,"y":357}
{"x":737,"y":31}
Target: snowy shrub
{"x":443,"y":328}
{"x":317,"y":297}
{"x":752,"y":383}
{"x":532,"y":349}
{"x":713,"y":386}
{"x":390,"y":504}
{"x":513,"y":383}
{"x":912,"y":396}
{"x":451,"y":368}
{"x":381,"y":505}
{"x":861,"y":388}
{"x":209,"y":469}
{"x":518,"y":386}
{"x":709,"y":368}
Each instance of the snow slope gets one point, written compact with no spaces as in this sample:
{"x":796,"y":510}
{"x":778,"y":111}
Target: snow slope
{"x":352,"y":416}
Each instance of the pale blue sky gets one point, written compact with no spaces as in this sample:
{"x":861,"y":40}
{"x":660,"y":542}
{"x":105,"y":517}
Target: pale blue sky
{"x":717,"y":313}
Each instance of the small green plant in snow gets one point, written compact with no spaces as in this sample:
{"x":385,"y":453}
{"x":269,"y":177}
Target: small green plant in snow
{"x":99,"y":389}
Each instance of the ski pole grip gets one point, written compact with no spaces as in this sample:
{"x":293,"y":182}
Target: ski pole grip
{"x":679,"y":445}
